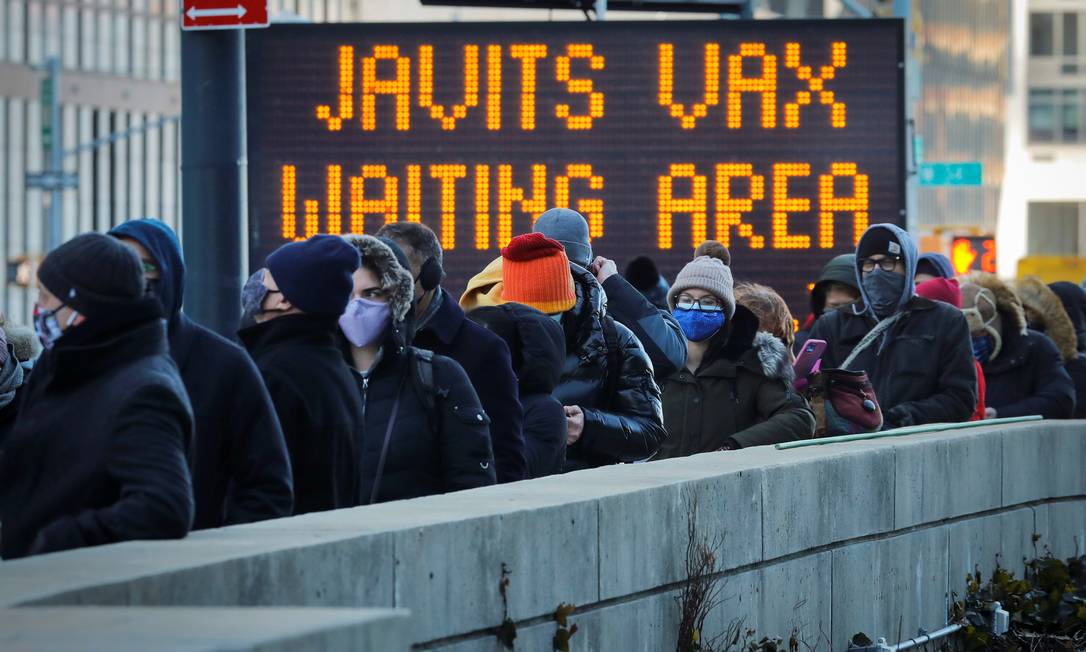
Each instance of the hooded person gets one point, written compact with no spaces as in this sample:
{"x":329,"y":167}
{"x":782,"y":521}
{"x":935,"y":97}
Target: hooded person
{"x":538,"y":347}
{"x":98,"y":452}
{"x":915,"y":351}
{"x":1023,"y":370}
{"x":836,"y":287}
{"x":643,"y":274}
{"x":1073,"y":299}
{"x":295,"y":344}
{"x":932,"y":265}
{"x":240,"y":467}
{"x":424,"y":431}
{"x":1046,"y":313}
{"x":948,"y":290}
{"x":443,"y":329}
{"x":656,"y":329}
{"x":736,"y":389}
{"x":611,"y":402}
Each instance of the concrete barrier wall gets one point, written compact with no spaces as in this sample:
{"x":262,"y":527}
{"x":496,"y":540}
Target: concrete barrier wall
{"x":828,"y":541}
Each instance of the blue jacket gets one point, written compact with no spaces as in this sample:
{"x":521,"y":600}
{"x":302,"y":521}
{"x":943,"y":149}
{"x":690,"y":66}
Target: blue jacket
{"x":485,"y":357}
{"x":240,"y":468}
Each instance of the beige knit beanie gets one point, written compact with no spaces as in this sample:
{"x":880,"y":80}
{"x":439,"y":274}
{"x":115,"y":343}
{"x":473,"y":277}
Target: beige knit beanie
{"x":709,"y":274}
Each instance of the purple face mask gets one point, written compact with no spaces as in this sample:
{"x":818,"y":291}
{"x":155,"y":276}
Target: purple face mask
{"x":364,"y":321}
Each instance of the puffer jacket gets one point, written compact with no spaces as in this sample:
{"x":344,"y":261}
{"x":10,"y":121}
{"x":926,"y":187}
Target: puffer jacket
{"x":1027,"y":376}
{"x":740,"y":395}
{"x":628,"y":425}
{"x":440,"y":439}
{"x":1046,"y":313}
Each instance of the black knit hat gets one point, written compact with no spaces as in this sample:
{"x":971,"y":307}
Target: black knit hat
{"x":879,"y":241}
{"x":92,"y":272}
{"x":315,"y":275}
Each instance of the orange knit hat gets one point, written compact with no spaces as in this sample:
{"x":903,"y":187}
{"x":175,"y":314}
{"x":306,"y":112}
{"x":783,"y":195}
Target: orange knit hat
{"x":535,"y":272}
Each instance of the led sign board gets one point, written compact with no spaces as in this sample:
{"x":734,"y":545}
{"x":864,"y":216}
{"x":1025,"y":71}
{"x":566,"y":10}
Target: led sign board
{"x":783,"y":139}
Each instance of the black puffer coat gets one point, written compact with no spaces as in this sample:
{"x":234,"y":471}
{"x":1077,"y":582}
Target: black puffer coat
{"x":98,"y":454}
{"x":740,"y":395}
{"x":627,"y":425}
{"x":315,"y":398}
{"x":440,"y":440}
{"x":538,"y":348}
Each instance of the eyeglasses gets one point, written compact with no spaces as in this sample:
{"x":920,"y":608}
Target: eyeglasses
{"x":708,"y":304}
{"x":149,"y":267}
{"x":885,"y":264}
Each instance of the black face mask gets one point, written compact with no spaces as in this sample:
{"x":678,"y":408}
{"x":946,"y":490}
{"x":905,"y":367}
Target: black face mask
{"x":152,"y":287}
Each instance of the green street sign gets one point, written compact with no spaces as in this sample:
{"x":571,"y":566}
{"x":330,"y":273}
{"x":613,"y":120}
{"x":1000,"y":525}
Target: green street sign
{"x":951,"y":174}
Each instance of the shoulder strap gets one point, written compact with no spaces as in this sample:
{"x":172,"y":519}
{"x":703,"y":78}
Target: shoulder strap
{"x":423,"y":363}
{"x":385,"y":443}
{"x":614,"y":357}
{"x":871,"y":336}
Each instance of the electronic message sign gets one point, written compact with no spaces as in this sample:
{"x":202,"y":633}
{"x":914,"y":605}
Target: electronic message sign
{"x":782,"y":139}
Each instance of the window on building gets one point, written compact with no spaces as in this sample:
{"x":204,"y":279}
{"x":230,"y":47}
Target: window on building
{"x":1070,"y":35}
{"x":1042,"y":115}
{"x":1041,"y":34}
{"x":1054,"y":228}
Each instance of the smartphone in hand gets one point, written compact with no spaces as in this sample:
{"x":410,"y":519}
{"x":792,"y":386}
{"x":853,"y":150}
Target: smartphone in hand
{"x":805,"y":363}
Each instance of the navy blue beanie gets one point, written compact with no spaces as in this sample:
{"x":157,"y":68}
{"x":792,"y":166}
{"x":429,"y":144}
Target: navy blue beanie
{"x":315,"y":275}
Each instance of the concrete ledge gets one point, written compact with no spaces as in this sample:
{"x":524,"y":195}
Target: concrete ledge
{"x":201,"y":630}
{"x":826,"y":540}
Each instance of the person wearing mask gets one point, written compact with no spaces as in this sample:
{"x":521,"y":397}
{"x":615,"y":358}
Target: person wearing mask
{"x":835,"y":288}
{"x":931,"y":265}
{"x":643,"y":274}
{"x":772,"y":313}
{"x":240,"y":467}
{"x":425,"y":431}
{"x":611,"y":402}
{"x":949,"y":291}
{"x":915,"y":351}
{"x":1045,"y":314}
{"x":656,"y":329}
{"x":441,"y":327}
{"x":294,"y":343}
{"x":736,"y":389}
{"x":538,"y":347}
{"x":98,"y":452}
{"x":1023,"y":371}
{"x":1073,"y":299}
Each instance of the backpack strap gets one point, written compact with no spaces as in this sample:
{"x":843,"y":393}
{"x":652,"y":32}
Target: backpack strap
{"x":614,"y":357}
{"x":422,"y":362}
{"x":871,"y":336}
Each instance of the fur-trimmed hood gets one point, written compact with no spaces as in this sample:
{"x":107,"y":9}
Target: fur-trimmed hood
{"x":393,"y":277}
{"x":23,"y":340}
{"x":773,"y":355}
{"x":1045,"y":312}
{"x":1007,"y":302}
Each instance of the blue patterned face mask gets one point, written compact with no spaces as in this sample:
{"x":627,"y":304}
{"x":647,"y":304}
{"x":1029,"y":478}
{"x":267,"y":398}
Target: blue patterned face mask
{"x":699,"y":325}
{"x":982,"y":348}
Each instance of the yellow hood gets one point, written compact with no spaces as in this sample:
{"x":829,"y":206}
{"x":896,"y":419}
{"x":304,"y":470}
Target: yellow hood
{"x":485,"y":288}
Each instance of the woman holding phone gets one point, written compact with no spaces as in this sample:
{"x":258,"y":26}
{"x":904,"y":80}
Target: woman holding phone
{"x":736,"y":388}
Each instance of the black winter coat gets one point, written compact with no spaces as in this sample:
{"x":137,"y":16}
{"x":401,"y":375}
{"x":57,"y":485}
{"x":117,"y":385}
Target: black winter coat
{"x":922,"y":368}
{"x":438,"y":443}
{"x":98,"y":454}
{"x":1028,"y":377}
{"x":1076,"y":368}
{"x":628,"y":425}
{"x":656,"y":329}
{"x":538,"y":349}
{"x":740,"y":395}
{"x":240,"y":466}
{"x":485,"y":358}
{"x":315,"y":396}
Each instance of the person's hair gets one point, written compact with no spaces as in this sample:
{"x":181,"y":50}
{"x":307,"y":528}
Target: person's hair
{"x":770,"y":309}
{"x":714,"y":249}
{"x":840,"y":287}
{"x":421,"y":238}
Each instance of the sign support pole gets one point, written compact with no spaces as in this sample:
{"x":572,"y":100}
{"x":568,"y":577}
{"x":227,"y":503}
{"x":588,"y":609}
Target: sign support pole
{"x":53,"y":144}
{"x":214,"y":202}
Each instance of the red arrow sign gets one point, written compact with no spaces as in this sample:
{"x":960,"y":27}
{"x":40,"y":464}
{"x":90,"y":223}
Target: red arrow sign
{"x":223,"y":14}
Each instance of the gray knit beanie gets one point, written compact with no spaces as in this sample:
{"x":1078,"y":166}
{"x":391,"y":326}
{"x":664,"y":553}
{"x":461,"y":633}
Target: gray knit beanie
{"x":709,"y":274}
{"x":568,"y":227}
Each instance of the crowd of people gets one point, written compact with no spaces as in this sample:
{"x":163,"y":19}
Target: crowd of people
{"x":358,"y":378}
